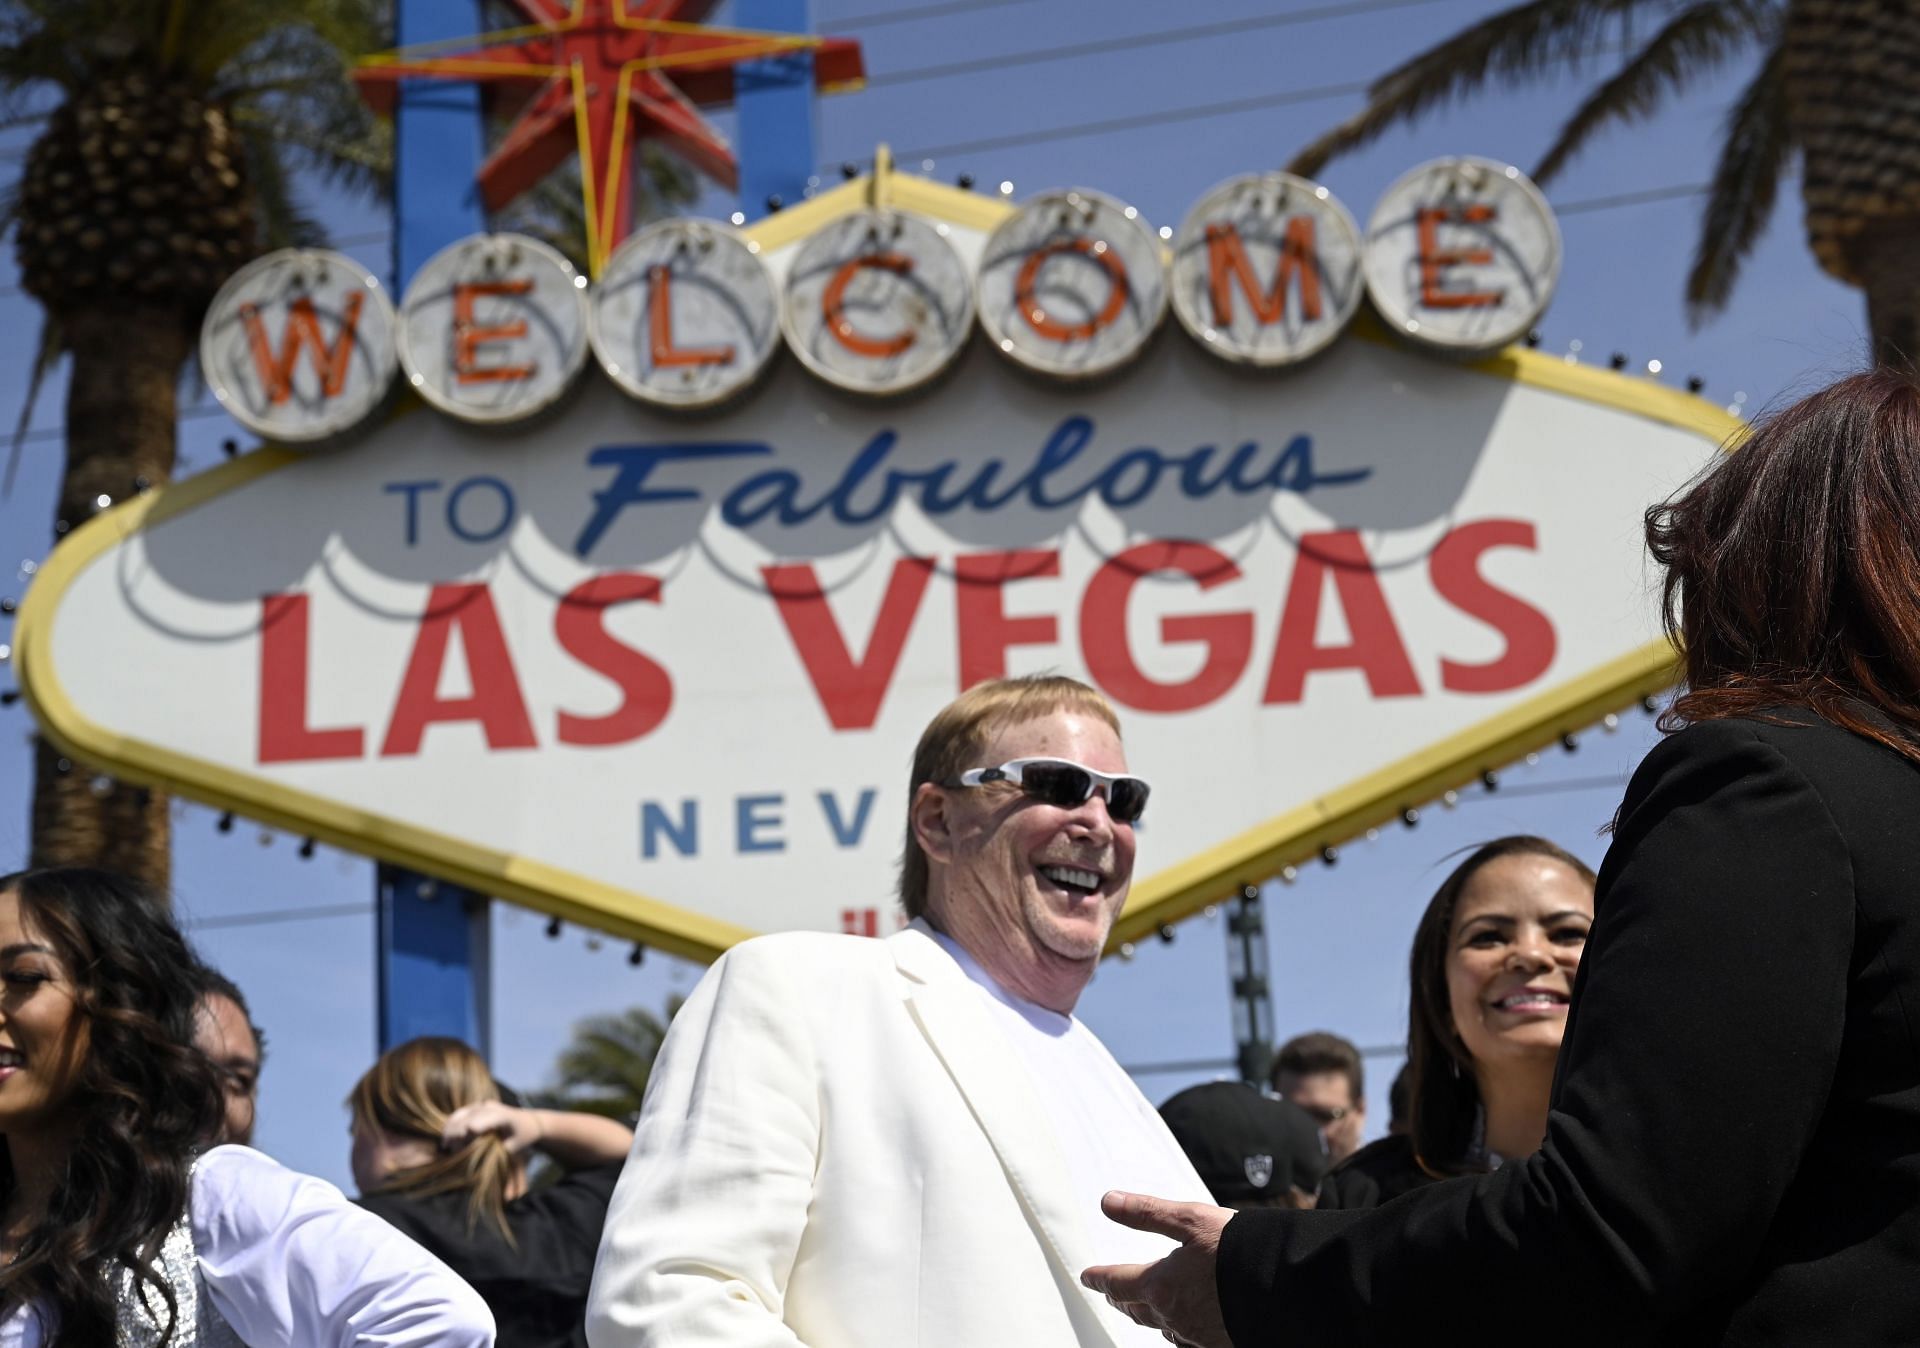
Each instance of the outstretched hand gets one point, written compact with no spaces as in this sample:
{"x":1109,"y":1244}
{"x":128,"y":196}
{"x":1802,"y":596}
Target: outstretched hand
{"x":1176,"y":1295}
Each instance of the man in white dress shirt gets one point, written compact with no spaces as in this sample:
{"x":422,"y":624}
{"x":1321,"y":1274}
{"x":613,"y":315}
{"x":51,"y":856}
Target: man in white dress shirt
{"x":851,"y":1143}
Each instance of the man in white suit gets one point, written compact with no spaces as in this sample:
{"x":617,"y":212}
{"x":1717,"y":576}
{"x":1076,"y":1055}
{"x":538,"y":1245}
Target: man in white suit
{"x":850,"y":1143}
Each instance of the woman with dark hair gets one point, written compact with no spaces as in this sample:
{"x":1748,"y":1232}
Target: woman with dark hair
{"x":1733,"y":1150}
{"x":115,"y":1226}
{"x":1492,"y":972}
{"x":440,"y":1150}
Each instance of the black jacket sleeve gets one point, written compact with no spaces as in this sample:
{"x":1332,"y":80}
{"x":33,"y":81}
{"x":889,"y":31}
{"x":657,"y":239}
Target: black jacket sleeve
{"x":1701,"y":1046}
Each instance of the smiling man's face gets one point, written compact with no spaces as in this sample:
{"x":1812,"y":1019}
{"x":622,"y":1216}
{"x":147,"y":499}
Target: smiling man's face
{"x":1031,"y":889}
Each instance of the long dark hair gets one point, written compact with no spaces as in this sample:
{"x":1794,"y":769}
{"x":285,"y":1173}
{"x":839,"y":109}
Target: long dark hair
{"x":144,"y":1102}
{"x":1446,"y":1098}
{"x":1794,"y":562}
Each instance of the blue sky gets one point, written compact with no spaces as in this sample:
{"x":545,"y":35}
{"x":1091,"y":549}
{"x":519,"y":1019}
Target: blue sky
{"x":1152,"y":104}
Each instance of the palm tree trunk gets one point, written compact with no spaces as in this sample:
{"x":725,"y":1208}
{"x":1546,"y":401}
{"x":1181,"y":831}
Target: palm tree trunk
{"x":1887,"y":255}
{"x":121,"y":413}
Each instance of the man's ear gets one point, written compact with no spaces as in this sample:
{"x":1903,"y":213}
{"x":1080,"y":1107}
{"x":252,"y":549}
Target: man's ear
{"x":932,"y":826}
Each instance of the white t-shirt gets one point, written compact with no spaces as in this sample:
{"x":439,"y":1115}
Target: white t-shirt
{"x":291,"y":1263}
{"x":1110,"y":1137}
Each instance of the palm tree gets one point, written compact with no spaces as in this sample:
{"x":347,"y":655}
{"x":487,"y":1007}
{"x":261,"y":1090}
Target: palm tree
{"x":1838,"y":84}
{"x":605,"y":1066}
{"x":172,"y":133}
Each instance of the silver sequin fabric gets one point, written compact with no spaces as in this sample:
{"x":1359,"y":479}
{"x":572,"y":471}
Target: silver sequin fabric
{"x":196,"y":1323}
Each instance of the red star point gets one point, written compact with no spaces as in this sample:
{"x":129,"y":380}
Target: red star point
{"x":599,"y":76}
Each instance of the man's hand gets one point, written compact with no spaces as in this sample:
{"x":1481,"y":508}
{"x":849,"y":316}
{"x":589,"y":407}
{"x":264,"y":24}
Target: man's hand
{"x":1175,"y":1296}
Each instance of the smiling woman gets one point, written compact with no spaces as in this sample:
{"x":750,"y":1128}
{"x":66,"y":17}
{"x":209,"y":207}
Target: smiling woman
{"x":115,"y":1225}
{"x":1492,"y":973}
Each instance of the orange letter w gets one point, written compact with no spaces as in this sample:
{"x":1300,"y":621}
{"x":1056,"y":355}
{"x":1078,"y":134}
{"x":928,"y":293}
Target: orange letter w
{"x":303,"y":327}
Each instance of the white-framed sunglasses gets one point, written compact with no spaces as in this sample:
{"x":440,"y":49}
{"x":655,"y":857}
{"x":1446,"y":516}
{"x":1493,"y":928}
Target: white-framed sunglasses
{"x":1062,"y":782}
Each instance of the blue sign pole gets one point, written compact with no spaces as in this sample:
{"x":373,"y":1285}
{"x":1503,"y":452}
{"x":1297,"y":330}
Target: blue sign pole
{"x":775,"y":102}
{"x":432,"y":949}
{"x":432,"y":952}
{"x":435,"y":960}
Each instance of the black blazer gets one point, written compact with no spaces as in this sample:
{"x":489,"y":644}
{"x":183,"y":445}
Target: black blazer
{"x":1733,"y":1152}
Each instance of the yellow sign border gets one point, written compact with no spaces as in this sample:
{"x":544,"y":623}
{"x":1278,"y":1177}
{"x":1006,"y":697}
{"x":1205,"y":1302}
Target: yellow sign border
{"x":1166,"y":896}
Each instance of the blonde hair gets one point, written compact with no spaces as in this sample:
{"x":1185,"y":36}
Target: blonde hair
{"x":959,"y":734}
{"x":410,"y":1092}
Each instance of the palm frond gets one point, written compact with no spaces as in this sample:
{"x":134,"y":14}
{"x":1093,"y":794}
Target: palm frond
{"x":1697,"y":40}
{"x":33,"y":58}
{"x":225,"y":36}
{"x":1753,"y":155}
{"x":1512,"y":46}
{"x":342,"y":160}
{"x":283,"y":223}
{"x":608,"y":1060}
{"x":296,"y":85}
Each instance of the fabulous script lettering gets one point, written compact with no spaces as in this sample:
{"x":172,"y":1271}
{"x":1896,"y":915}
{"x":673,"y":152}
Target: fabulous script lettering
{"x":867,"y":489}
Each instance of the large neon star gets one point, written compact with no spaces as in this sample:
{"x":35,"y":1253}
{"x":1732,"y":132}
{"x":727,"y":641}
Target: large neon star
{"x":610,"y":73}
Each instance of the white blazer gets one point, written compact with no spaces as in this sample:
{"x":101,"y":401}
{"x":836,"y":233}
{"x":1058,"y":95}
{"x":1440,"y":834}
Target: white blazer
{"x":841,"y":1149}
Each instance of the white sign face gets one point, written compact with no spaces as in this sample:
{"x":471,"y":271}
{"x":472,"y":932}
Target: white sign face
{"x":665,"y":677}
{"x":493,"y":328}
{"x":1071,"y":285}
{"x":1462,"y":255}
{"x":685,"y":314}
{"x":878,"y":302}
{"x":1266,"y":270}
{"x":299,"y":345}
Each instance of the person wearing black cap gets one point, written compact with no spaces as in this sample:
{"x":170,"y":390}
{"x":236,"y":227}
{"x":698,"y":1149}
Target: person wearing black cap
{"x":440,"y":1150}
{"x":1252,"y":1150}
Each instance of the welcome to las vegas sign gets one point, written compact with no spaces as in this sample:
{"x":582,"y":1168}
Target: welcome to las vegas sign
{"x":648,"y":648}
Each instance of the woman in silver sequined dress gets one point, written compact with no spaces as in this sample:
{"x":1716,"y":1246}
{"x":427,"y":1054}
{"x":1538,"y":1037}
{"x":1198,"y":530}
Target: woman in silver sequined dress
{"x":115,"y":1228}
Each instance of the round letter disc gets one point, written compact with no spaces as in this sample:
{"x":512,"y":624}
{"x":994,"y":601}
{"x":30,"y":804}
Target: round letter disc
{"x":1266,"y":270}
{"x":877,"y":302}
{"x":1462,"y":255}
{"x":1071,"y":285}
{"x":299,"y":345}
{"x":493,"y":328}
{"x":685,"y":314}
